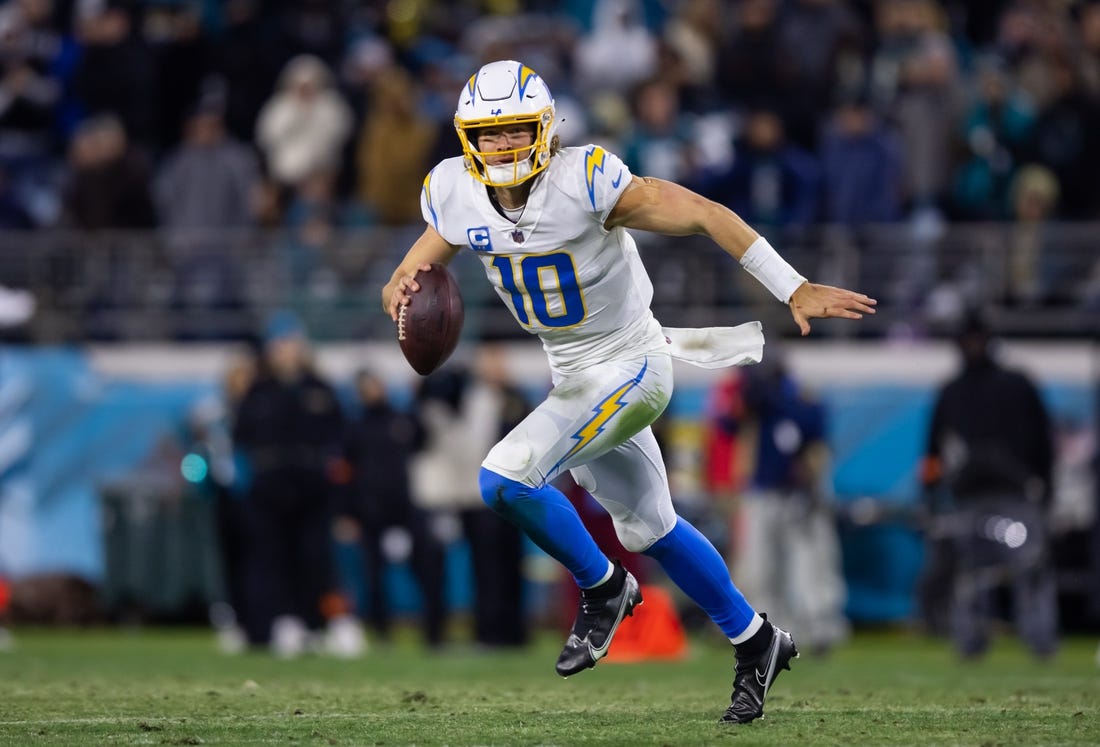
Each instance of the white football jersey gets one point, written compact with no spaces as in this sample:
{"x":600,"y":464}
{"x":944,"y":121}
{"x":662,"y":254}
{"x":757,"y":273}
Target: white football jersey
{"x":581,"y":288}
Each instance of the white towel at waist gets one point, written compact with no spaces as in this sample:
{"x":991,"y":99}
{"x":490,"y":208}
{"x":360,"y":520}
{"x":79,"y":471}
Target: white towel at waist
{"x":717,"y":347}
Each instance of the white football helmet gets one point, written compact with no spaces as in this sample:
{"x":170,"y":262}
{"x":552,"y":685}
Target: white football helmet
{"x":504,"y":93}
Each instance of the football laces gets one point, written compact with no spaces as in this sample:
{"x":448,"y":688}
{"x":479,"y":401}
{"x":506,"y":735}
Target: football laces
{"x":401,"y":322}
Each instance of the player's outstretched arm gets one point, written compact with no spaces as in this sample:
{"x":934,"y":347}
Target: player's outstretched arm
{"x":650,"y":204}
{"x":430,"y":247}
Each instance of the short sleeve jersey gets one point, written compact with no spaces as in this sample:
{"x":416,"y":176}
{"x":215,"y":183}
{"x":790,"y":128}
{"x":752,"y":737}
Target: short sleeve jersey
{"x":564,"y":276}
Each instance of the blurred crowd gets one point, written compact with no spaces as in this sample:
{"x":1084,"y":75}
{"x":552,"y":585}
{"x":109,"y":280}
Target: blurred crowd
{"x":271,"y":151}
{"x":207,"y":114}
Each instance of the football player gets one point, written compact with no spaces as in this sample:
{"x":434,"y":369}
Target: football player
{"x":549,"y":225}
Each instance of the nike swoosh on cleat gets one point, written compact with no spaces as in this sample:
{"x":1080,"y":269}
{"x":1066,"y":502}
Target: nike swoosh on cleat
{"x":771,"y":667}
{"x":599,"y":653}
{"x":761,"y":678}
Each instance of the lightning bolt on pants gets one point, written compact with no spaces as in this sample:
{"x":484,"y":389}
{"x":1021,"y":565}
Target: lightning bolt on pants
{"x":600,"y":416}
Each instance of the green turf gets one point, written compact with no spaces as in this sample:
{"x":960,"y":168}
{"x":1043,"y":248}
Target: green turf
{"x":168,"y":687}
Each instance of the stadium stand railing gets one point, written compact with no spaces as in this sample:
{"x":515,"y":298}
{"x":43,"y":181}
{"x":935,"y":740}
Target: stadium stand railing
{"x":217,"y":285}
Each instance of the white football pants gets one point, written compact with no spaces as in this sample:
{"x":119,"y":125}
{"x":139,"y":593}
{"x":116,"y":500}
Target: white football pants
{"x":595,"y":424}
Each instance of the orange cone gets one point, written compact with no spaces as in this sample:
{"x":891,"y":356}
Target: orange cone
{"x":654,"y":631}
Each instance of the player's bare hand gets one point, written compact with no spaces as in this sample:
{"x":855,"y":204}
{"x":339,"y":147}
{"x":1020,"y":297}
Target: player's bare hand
{"x":402,"y":288}
{"x":813,"y":301}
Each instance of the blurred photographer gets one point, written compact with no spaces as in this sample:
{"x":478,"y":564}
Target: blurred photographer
{"x":987,"y":474}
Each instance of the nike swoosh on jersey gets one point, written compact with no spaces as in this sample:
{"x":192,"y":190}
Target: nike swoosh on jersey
{"x":619,"y":178}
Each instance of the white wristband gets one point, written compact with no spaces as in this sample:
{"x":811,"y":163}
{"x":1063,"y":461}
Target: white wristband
{"x":774,"y":273}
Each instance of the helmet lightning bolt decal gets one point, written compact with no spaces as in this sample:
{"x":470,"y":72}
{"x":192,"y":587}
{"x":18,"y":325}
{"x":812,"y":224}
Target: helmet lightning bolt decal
{"x":608,"y":407}
{"x":525,"y":76}
{"x":594,"y":159}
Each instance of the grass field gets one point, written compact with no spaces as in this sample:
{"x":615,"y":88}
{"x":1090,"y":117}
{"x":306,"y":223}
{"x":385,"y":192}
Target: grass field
{"x":172,"y":687}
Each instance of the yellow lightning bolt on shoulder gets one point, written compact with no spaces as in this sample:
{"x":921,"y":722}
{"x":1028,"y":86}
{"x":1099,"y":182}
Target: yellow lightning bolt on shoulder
{"x":594,"y":159}
{"x":428,"y":199}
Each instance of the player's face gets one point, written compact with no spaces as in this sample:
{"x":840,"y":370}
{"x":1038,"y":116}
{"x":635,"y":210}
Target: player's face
{"x":505,"y":140}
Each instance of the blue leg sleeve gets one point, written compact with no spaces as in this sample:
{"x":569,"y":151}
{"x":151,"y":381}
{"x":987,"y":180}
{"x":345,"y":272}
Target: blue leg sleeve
{"x":550,"y":520}
{"x":691,"y":561}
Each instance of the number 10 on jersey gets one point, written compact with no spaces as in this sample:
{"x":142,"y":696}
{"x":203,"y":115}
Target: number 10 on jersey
{"x":541,"y":277}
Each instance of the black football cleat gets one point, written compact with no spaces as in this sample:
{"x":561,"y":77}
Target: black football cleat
{"x":597,"y":620}
{"x":753,"y":677}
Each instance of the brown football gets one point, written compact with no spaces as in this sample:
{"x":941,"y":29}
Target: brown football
{"x":429,"y":327}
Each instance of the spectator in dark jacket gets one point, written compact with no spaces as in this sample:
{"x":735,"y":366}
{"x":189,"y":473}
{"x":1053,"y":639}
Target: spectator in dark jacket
{"x":771,"y":182}
{"x":862,"y":162}
{"x":116,"y":71}
{"x":208,"y":196}
{"x":288,"y":429}
{"x":109,"y":185}
{"x":379,"y":445}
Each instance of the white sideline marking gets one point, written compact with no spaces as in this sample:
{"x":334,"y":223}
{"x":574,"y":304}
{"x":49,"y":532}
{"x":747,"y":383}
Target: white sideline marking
{"x":175,"y":720}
